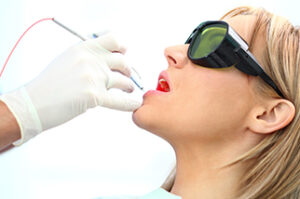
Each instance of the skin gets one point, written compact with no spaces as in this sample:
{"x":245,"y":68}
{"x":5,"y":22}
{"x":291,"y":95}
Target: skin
{"x":9,"y":128}
{"x":211,"y":117}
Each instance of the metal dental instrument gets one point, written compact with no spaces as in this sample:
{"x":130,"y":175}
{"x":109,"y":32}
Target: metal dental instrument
{"x":69,"y":30}
{"x":95,"y":36}
{"x":136,"y":76}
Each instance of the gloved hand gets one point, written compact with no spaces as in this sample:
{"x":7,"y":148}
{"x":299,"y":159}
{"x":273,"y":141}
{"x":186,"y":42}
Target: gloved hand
{"x":75,"y":81}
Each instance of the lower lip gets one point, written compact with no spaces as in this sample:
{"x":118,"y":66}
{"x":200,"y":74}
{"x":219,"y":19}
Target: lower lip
{"x":153,"y":92}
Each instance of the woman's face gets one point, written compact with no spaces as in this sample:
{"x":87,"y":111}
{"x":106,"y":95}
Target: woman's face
{"x":202,"y":104}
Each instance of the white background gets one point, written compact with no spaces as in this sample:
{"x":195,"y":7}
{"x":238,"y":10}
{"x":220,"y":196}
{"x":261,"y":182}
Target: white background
{"x":101,"y":152}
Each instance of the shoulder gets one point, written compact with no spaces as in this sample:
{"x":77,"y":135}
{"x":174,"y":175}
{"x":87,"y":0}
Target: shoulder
{"x":156,"y":194}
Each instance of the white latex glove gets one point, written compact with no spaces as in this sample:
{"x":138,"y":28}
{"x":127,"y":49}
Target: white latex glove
{"x":75,"y":81}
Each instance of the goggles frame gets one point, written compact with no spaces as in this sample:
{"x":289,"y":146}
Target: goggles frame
{"x":232,"y":51}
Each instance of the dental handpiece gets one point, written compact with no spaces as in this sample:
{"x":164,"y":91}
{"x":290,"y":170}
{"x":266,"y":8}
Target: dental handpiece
{"x":134,"y":75}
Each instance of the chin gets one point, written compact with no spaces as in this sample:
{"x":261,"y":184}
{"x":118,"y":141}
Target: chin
{"x":151,"y":119}
{"x":141,"y":118}
{"x":147,"y":118}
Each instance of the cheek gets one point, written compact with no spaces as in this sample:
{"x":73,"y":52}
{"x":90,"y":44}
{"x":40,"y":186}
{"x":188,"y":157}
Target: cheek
{"x":216,"y":104}
{"x":211,"y":116}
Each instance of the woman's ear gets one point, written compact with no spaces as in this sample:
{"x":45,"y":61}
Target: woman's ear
{"x":272,"y":116}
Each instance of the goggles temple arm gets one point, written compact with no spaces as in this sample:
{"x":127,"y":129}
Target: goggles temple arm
{"x":256,"y":69}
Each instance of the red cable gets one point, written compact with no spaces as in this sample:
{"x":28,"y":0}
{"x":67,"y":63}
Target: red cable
{"x":11,"y":52}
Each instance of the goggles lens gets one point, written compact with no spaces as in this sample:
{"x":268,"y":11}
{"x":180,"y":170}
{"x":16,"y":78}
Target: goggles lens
{"x":207,"y":40}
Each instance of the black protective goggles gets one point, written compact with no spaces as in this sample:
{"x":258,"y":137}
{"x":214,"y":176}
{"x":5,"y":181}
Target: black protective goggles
{"x":214,"y":44}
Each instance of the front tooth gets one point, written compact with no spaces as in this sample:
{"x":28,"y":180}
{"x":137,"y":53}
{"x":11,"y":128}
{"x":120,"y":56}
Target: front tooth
{"x":164,"y":85}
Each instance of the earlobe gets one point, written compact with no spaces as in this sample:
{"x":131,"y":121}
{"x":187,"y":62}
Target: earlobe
{"x":276,"y":115}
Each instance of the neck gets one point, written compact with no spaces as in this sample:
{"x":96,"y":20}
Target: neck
{"x":201,"y":174}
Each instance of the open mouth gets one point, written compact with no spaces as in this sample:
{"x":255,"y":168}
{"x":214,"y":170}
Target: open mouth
{"x":163,"y":84}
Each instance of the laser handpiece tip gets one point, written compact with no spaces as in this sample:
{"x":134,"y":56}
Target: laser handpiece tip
{"x":138,"y":85}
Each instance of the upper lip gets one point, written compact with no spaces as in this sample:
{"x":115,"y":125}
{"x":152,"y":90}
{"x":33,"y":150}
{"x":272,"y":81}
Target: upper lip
{"x":164,"y":75}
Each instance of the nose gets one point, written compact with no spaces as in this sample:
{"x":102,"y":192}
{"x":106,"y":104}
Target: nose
{"x":177,"y":56}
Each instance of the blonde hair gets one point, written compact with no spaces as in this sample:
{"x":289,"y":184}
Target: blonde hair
{"x":275,"y":169}
{"x":274,"y":172}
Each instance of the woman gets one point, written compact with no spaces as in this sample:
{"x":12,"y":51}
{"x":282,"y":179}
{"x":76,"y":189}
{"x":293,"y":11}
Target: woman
{"x":234,"y":135}
{"x":235,"y":130}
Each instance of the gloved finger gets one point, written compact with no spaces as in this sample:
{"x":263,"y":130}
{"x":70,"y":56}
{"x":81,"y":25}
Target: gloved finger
{"x":117,"y":62}
{"x":119,"y":81}
{"x":110,"y":43}
{"x":120,"y":102}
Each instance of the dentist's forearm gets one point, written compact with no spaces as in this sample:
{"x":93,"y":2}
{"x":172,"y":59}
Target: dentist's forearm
{"x":9,"y":128}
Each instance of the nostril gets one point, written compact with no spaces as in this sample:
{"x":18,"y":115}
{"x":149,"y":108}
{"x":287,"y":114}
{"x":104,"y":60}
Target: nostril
{"x":176,"y":56}
{"x":172,"y":60}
